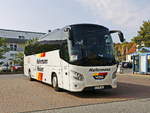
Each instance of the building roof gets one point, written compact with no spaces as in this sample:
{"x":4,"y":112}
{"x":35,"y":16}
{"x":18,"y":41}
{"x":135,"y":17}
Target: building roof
{"x":17,"y":34}
{"x":132,"y":49}
{"x":15,"y":40}
{"x":142,"y":51}
{"x":21,"y":31}
{"x":145,"y":49}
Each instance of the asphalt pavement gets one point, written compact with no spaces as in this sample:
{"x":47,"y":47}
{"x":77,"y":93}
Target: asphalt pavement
{"x":132,"y":106}
{"x":18,"y":94}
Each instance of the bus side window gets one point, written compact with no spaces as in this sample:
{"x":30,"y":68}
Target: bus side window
{"x":64,"y":54}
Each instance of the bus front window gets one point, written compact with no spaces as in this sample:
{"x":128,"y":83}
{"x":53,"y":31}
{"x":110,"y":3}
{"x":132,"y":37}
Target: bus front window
{"x":91,"y":47}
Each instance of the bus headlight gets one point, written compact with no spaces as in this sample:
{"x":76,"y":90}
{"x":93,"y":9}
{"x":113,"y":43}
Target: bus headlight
{"x":114,"y":75}
{"x":77,"y":76}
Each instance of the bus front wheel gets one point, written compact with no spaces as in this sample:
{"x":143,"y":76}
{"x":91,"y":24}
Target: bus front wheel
{"x":55,"y":82}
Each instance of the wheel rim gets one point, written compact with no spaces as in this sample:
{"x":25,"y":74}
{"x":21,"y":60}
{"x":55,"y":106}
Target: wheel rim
{"x":54,"y":82}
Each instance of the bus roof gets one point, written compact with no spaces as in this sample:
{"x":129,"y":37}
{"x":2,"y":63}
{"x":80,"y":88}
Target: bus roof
{"x":96,"y":25}
{"x":58,"y":33}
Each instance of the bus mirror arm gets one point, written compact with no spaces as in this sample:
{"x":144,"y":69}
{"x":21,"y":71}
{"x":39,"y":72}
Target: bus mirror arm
{"x":68,"y":29}
{"x":120,"y":34}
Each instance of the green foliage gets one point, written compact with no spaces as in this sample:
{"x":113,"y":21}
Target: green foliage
{"x":3,"y":47}
{"x":19,"y":58}
{"x":143,"y":34}
{"x":32,"y":41}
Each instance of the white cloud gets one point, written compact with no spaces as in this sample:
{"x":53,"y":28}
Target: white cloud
{"x":124,"y":13}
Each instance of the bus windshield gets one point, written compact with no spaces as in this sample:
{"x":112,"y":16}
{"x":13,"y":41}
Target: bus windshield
{"x":91,"y":46}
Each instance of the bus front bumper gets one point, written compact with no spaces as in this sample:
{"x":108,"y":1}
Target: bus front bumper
{"x":81,"y":86}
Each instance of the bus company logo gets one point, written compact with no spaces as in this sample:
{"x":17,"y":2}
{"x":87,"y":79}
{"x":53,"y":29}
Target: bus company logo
{"x":42,"y":61}
{"x":41,"y":54}
{"x":99,"y":75}
{"x":97,"y":69}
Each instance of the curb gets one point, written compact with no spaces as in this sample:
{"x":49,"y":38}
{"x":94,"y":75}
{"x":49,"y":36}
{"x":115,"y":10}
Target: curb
{"x":131,"y":74}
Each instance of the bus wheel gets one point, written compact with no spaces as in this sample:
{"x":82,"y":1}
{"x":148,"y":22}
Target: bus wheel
{"x":30,"y":78}
{"x":55,"y":82}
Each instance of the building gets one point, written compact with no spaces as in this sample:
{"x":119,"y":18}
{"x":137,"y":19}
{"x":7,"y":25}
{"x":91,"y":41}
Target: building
{"x":141,"y":60}
{"x":15,"y":41}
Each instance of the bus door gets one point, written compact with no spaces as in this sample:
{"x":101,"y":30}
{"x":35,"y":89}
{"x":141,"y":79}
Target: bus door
{"x":65,"y":74}
{"x":65,"y":65}
{"x":136,"y":63}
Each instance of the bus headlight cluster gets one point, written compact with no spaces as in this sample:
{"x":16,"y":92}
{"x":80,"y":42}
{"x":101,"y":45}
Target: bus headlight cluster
{"x":77,"y":76}
{"x":114,"y":75}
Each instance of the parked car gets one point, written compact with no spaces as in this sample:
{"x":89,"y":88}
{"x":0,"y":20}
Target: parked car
{"x":4,"y":68}
{"x":126,"y":64}
{"x":124,"y":67}
{"x":16,"y":68}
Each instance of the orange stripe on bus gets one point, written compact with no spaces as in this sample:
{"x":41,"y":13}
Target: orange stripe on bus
{"x":41,"y":54}
{"x":101,"y":74}
{"x":39,"y":76}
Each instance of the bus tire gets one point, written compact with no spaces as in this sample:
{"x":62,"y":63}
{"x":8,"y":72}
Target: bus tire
{"x":30,"y":78}
{"x":55,"y":82}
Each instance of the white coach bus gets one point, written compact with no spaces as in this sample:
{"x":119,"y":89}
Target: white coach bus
{"x":74,"y":58}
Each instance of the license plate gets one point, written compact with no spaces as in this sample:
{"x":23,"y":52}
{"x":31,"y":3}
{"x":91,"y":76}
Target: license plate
{"x":99,"y":87}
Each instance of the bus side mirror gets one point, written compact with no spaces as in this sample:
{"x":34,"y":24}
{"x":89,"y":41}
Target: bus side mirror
{"x":120,"y":34}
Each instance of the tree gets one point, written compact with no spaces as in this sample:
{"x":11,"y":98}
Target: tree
{"x":143,"y":34}
{"x":121,"y":50}
{"x":3,"y":47}
{"x":29,"y":42}
{"x":19,"y":58}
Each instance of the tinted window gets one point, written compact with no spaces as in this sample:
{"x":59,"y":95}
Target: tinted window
{"x":40,"y":47}
{"x":64,"y":51}
{"x":92,"y":46}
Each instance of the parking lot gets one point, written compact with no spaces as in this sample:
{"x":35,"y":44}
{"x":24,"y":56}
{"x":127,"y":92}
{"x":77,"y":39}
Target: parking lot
{"x":18,"y":94}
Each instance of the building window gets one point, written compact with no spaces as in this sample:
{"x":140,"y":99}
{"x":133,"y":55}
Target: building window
{"x":21,"y":37}
{"x":13,"y":47}
{"x":12,"y":55}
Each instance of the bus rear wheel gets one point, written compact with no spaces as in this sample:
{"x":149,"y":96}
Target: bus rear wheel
{"x":55,"y":83}
{"x":30,"y":78}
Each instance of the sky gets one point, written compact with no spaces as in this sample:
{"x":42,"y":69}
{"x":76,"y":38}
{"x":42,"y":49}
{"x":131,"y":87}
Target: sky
{"x":44,"y":15}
